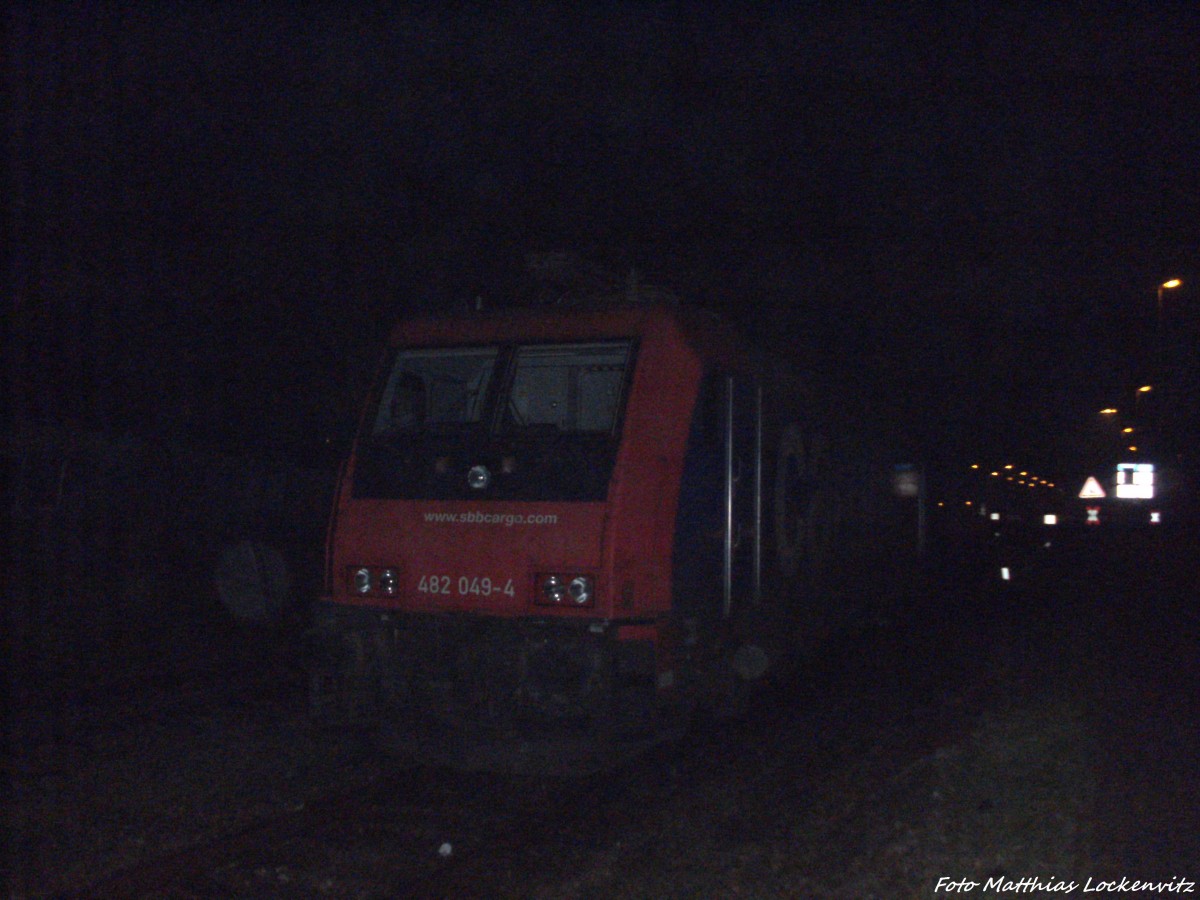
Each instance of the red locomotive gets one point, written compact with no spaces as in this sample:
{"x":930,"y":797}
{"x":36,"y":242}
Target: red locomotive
{"x":558,"y":521}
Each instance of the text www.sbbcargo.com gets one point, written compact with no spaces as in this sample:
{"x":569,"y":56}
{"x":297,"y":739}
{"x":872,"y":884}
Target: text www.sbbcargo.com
{"x":476,"y":517}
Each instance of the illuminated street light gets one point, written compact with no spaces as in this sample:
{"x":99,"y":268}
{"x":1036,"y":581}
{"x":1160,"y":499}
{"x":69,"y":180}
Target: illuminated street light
{"x":1126,"y":431}
{"x":1109,"y":411}
{"x":1145,"y":388}
{"x":1166,"y":285}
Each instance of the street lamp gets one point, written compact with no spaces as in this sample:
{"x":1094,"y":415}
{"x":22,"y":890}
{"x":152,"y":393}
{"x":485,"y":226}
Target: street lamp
{"x":1137,"y":399}
{"x":1165,"y":286}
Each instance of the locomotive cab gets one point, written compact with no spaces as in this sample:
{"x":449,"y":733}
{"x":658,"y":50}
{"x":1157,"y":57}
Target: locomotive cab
{"x":559,"y":520}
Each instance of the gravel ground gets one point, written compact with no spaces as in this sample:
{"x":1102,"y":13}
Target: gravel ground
{"x":1045,"y":734}
{"x":1010,"y":798}
{"x":878,"y":790}
{"x":162,"y":776}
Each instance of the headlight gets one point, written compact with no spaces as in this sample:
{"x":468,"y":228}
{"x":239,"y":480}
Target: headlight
{"x":553,"y":590}
{"x":389,"y":582}
{"x":360,"y":580}
{"x":565,"y":590}
{"x":580,"y":590}
{"x":368,"y":581}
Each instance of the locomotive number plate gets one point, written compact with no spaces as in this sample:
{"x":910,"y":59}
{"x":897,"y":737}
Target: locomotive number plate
{"x":465,"y":586}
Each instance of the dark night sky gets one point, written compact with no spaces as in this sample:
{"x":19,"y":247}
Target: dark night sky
{"x":220,"y":207}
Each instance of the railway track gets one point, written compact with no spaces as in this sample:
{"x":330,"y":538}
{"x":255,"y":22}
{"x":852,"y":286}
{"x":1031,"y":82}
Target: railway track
{"x":419,"y":832}
{"x":259,"y":857}
{"x":430,"y":832}
{"x":817,"y":759}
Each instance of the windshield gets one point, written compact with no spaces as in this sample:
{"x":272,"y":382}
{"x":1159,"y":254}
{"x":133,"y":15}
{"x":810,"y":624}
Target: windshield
{"x":543,"y":419}
{"x":574,"y":387}
{"x":435,"y":387}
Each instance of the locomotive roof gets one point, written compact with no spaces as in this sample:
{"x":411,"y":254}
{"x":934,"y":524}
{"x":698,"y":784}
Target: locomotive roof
{"x":709,"y":335}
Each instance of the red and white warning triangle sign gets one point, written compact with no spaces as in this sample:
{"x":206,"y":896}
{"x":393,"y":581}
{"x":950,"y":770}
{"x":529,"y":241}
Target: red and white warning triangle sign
{"x":1091,"y":489}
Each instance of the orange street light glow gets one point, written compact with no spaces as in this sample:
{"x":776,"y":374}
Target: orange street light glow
{"x":1108,"y":411}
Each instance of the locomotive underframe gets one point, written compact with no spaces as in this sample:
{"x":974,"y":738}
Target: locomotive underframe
{"x":474,"y":672}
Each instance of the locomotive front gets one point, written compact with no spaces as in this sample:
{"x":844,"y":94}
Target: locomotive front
{"x":500,"y":550}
